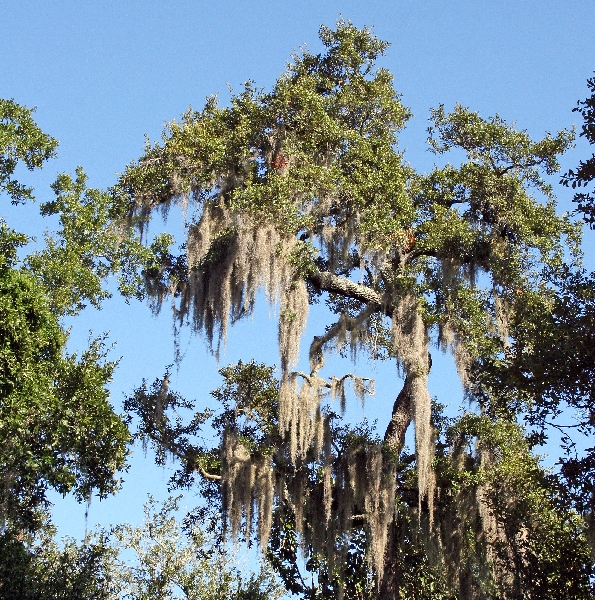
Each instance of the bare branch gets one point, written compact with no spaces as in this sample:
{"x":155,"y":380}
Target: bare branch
{"x":208,"y":475}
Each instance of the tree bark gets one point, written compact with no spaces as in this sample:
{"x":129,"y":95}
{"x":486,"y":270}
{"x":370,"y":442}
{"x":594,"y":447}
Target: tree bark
{"x":389,"y":586}
{"x":326,"y":281}
{"x":400,"y":419}
{"x":395,"y":438}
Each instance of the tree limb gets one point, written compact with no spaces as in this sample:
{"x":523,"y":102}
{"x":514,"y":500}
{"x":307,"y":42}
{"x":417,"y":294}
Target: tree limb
{"x":316,"y":355}
{"x":400,"y":419}
{"x":326,"y":281}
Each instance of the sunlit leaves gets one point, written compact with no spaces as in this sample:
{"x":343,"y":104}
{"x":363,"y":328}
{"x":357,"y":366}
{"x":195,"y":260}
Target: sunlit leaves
{"x":56,"y":424}
{"x":93,"y":243}
{"x":21,"y":141}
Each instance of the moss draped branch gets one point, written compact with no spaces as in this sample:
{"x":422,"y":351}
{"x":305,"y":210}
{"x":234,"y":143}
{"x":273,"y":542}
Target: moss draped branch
{"x":325,"y":281}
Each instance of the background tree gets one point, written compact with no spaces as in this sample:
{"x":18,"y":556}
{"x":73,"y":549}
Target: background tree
{"x":21,"y":141}
{"x":57,"y":427}
{"x":36,"y":567}
{"x":162,"y":558}
{"x":302,"y":192}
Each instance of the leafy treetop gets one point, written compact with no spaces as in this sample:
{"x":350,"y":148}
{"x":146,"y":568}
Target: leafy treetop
{"x":22,"y":141}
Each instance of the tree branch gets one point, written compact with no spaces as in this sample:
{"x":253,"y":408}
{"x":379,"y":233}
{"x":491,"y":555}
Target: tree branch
{"x":326,"y":281}
{"x":316,"y":354}
{"x":190,"y":457}
{"x":400,"y":419}
{"x":208,"y":475}
{"x":417,"y":253}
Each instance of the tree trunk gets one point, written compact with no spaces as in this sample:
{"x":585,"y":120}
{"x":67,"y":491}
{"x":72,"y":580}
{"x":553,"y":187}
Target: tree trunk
{"x":395,"y":438}
{"x":389,"y":585}
{"x":401,"y":418}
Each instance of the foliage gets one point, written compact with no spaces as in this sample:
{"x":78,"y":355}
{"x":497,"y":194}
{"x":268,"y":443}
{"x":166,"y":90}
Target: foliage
{"x":585,"y":172}
{"x":40,"y":569}
{"x":21,"y":141}
{"x":56,"y":424}
{"x":538,"y":546}
{"x":159,"y":560}
{"x":549,"y":364}
{"x":248,"y":399}
{"x":94,"y":243}
{"x":57,"y":427}
{"x":500,"y":528}
{"x":548,"y":370}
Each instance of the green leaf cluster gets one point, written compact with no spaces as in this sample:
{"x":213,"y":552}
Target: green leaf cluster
{"x":585,"y":172}
{"x":21,"y":141}
{"x":57,"y":426}
{"x":94,"y":242}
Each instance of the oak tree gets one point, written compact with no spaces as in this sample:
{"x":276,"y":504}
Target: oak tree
{"x":302,"y":192}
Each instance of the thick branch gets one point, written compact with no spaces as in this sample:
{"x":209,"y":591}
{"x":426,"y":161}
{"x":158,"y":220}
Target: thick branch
{"x":193,"y":461}
{"x":208,"y":475}
{"x":389,"y":585}
{"x":400,"y":419}
{"x":403,"y":408}
{"x":326,"y":281}
{"x":417,"y":253}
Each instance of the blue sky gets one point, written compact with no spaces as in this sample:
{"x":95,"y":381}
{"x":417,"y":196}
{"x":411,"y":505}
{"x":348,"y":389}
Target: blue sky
{"x":103,"y":74}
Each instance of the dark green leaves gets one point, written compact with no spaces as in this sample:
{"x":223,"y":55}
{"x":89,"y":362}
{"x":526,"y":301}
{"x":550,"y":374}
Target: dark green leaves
{"x":585,"y":173}
{"x":57,"y":427}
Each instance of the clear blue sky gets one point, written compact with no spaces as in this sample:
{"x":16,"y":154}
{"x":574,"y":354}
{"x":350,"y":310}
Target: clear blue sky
{"x":103,"y":74}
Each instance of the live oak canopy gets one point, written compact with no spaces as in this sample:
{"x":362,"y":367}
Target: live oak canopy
{"x":301,"y":191}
